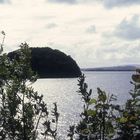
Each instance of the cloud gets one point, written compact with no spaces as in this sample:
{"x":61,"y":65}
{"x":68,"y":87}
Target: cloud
{"x":106,"y":3}
{"x":116,"y":52}
{"x":117,"y":3}
{"x":91,"y":29}
{"x":64,"y":1}
{"x":4,"y":1}
{"x":51,"y":25}
{"x":129,"y":29}
{"x":74,"y":29}
{"x":74,"y":1}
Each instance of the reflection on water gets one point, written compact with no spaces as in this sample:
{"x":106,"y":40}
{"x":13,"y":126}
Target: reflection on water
{"x":63,"y":91}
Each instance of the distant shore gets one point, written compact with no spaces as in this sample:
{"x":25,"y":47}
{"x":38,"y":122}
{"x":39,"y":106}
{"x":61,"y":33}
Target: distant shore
{"x":107,"y":70}
{"x":113,"y":68}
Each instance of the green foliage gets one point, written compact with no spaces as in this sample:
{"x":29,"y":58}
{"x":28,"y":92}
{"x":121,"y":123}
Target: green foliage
{"x":23,"y":113}
{"x":101,"y":119}
{"x":129,"y":124}
{"x":71,"y":132}
{"x":98,"y":116}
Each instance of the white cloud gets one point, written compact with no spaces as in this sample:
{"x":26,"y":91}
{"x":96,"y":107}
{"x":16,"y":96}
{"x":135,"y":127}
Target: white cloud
{"x":106,"y":3}
{"x":118,"y":3}
{"x":129,"y":29}
{"x":51,"y":25}
{"x":72,"y":1}
{"x":91,"y":29}
{"x":75,"y":29}
{"x":64,"y":1}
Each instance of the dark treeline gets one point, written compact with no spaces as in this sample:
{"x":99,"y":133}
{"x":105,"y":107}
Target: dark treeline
{"x":49,"y":63}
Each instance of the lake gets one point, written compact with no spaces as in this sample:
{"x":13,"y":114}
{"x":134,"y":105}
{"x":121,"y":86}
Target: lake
{"x":63,"y":91}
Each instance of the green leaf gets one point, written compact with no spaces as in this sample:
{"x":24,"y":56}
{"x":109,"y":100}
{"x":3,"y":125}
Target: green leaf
{"x":123,"y":120}
{"x":85,"y":131}
{"x":91,"y":112}
{"x":101,"y":95}
{"x":92,"y":101}
{"x":109,"y":129}
{"x":136,"y":78}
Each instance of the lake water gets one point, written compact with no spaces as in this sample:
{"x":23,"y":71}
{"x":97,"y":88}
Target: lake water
{"x":63,"y":91}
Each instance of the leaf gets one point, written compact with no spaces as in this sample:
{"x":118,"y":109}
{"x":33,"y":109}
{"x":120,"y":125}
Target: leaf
{"x":136,"y":78}
{"x":123,"y":120}
{"x":133,"y":118}
{"x":110,"y":129}
{"x":102,"y":97}
{"x":92,"y":101}
{"x":91,"y":112}
{"x":90,"y":92}
{"x":85,"y":131}
{"x":138,"y":122}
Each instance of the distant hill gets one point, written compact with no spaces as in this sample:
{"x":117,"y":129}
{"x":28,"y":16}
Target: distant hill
{"x":49,"y":63}
{"x":114,"y":68}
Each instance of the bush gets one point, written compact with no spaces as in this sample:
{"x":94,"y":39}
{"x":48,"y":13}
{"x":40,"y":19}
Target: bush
{"x":129,"y":120}
{"x":22,"y":110}
{"x":102,"y":119}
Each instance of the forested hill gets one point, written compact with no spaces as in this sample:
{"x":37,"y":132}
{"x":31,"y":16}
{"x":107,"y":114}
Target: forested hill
{"x":49,"y":63}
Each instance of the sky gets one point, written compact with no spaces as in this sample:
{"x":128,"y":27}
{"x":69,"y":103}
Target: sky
{"x":95,"y":33}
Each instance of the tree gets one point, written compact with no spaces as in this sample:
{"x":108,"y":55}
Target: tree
{"x":101,"y":119}
{"x":129,"y":120}
{"x":98,"y":119}
{"x":22,"y":110}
